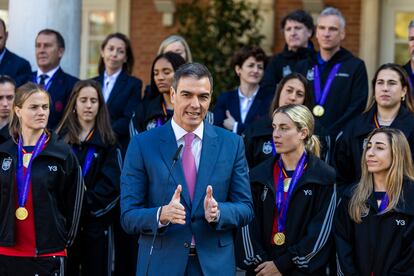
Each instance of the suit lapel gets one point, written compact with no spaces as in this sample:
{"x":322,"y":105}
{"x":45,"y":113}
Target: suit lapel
{"x":168,"y":147}
{"x":234,"y":106}
{"x":56,"y":82}
{"x":5,"y":62}
{"x":209,"y":154}
{"x":118,"y":87}
{"x":254,"y":108}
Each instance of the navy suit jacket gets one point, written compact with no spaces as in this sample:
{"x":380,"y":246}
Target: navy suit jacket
{"x":60,"y":89}
{"x":146,"y":185}
{"x":15,"y":67}
{"x":124,"y":98}
{"x":230,"y":101}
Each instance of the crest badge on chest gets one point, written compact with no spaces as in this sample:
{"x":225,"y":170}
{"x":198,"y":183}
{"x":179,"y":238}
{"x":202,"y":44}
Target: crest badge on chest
{"x":6,"y":163}
{"x":267,"y":147}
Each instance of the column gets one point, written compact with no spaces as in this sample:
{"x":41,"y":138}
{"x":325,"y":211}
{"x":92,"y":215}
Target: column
{"x":27,"y":18}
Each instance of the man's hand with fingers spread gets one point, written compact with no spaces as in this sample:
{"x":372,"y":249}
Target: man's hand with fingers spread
{"x":211,"y":211}
{"x":174,"y":212}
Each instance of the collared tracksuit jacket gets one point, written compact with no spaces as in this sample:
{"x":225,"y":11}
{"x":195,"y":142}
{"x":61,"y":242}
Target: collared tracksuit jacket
{"x":381,"y":245}
{"x":308,"y":221}
{"x":57,"y":191}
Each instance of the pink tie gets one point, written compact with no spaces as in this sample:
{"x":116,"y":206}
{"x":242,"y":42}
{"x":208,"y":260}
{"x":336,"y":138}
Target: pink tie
{"x":189,"y":165}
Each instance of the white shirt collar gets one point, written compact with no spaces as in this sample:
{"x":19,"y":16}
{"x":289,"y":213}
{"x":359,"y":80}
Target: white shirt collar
{"x":179,"y":132}
{"x":112,"y":77}
{"x":242,"y":96}
{"x":49,"y":74}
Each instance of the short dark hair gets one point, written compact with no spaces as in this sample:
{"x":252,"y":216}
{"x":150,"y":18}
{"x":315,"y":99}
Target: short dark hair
{"x":194,"y":70}
{"x":129,"y":64}
{"x":299,"y":16}
{"x":59,"y":37}
{"x":176,"y":61}
{"x":248,"y":51}
{"x":7,"y":79}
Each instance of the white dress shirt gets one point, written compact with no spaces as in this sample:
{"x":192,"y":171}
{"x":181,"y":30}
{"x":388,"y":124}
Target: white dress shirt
{"x":179,"y":133}
{"x":245,"y":105}
{"x":49,"y":74}
{"x":108,"y":84}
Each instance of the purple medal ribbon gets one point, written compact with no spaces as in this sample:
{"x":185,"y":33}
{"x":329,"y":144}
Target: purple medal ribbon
{"x":90,"y":154}
{"x":159,"y":122}
{"x":321,"y":98}
{"x":22,"y":178}
{"x":383,"y":205}
{"x":283,"y":206}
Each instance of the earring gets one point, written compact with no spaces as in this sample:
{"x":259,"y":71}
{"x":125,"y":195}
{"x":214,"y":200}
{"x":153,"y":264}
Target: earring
{"x":403,"y":98}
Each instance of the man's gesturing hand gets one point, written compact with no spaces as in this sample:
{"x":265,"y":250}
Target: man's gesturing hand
{"x":211,"y":211}
{"x":174,"y":212}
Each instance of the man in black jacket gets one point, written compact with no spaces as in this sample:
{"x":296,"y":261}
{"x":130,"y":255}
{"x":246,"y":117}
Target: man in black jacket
{"x":339,"y":79}
{"x":298,"y":29}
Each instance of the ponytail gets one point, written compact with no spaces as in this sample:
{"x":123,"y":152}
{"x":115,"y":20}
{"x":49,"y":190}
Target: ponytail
{"x":313,"y":145}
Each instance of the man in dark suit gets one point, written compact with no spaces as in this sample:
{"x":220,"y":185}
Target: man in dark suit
{"x":50,"y":47}
{"x":208,"y":187}
{"x":11,"y":64}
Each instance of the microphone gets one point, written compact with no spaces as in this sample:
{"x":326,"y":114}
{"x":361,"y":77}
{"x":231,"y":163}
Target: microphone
{"x":170,"y":169}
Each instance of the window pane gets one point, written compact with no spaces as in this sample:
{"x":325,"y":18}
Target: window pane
{"x":401,"y":24}
{"x":401,"y":53}
{"x":101,"y":22}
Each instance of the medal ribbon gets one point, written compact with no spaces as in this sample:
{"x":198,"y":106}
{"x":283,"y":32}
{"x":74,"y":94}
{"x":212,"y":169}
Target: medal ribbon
{"x":377,"y":125}
{"x":160,"y":121}
{"x":384,"y":204}
{"x":281,"y":205}
{"x":22,"y":178}
{"x":90,"y":154}
{"x":321,"y":98}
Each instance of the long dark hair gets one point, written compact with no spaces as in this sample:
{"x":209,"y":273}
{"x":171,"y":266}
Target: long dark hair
{"x":408,"y":101}
{"x":176,"y":61}
{"x":308,"y":102}
{"x":70,"y":122}
{"x":129,"y":64}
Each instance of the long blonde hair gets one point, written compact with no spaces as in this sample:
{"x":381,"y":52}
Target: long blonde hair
{"x":401,"y":166}
{"x":302,"y":117}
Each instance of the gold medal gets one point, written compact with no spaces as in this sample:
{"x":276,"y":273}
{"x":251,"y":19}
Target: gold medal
{"x":279,"y":238}
{"x":318,"y":110}
{"x":21,"y":213}
{"x":26,"y":159}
